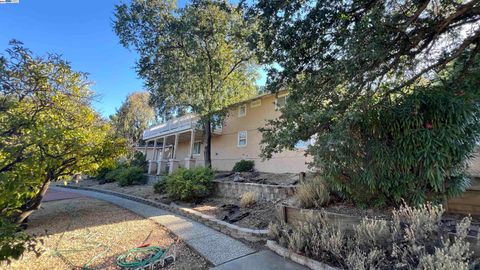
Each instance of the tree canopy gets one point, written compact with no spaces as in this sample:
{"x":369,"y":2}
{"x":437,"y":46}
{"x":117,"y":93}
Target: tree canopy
{"x":133,"y":117}
{"x":344,"y":60}
{"x":197,"y":58}
{"x":48,"y":132}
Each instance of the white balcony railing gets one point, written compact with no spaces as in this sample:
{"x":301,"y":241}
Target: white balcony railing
{"x":182,"y":123}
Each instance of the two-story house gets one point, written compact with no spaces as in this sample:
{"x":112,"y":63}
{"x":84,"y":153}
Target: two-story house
{"x":178,"y":142}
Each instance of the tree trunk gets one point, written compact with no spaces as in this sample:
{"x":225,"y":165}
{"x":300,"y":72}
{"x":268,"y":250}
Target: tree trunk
{"x":32,"y":205}
{"x":207,"y":141}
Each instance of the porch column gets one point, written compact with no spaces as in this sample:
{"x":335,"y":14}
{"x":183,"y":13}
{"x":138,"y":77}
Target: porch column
{"x":175,"y":147}
{"x":162,"y":163}
{"x":154,"y":149}
{"x":174,"y":162}
{"x":163,"y":147}
{"x":192,"y":141}
{"x":190,"y":161}
{"x":146,"y":144}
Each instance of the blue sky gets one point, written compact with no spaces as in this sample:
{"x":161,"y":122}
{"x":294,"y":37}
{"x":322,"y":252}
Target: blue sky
{"x":81,"y":31}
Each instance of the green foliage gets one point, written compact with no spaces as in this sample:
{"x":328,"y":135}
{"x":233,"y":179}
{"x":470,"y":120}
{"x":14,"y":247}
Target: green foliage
{"x":196,"y":58}
{"x":244,"y":166}
{"x":130,"y":176}
{"x":190,"y":184}
{"x":13,"y":243}
{"x":390,"y":119}
{"x":114,"y":174}
{"x":139,"y":160}
{"x":133,"y":117}
{"x":48,"y":130}
{"x":160,"y":186}
{"x":101,"y":173}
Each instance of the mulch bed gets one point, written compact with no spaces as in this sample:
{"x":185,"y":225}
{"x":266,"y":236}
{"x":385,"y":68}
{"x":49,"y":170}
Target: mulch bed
{"x":256,"y":217}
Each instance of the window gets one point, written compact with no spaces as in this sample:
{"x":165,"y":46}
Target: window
{"x":256,"y":103}
{"x":242,"y":110}
{"x":242,"y":139}
{"x":196,"y":148}
{"x":281,"y":101}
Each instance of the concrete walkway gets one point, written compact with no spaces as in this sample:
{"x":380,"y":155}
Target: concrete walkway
{"x":223,"y":251}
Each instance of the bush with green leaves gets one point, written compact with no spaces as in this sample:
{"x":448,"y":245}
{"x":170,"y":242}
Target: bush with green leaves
{"x":190,"y":184}
{"x":139,"y":159}
{"x":131,"y":176}
{"x":244,"y":166}
{"x":413,"y":239}
{"x":160,"y":186}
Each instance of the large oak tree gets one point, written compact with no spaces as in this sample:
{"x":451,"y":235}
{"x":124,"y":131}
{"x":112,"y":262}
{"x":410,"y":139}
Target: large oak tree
{"x":195,"y":58}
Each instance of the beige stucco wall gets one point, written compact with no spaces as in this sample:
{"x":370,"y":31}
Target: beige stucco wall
{"x":225,"y":149}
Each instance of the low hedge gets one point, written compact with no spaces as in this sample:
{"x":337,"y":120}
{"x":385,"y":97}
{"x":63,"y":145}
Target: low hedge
{"x":189,"y":184}
{"x":244,"y":166}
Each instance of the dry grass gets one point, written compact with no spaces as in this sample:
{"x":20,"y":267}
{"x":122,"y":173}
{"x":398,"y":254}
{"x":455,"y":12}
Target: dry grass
{"x":313,"y":193}
{"x":81,"y":229}
{"x":248,"y":199}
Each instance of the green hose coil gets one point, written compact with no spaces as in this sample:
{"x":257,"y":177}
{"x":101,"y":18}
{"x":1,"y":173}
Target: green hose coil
{"x":140,"y":257}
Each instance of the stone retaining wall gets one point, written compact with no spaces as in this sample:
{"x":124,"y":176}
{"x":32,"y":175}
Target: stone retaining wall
{"x":265,"y":192}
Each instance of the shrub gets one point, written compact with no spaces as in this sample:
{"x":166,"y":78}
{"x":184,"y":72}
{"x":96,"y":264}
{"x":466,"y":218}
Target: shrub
{"x":413,"y":239}
{"x":101,"y":173}
{"x":244,"y":166}
{"x":130,"y":176}
{"x":189,"y":184}
{"x":160,"y":186}
{"x":248,"y":199}
{"x":414,"y":149}
{"x":114,"y":175}
{"x":313,"y":193}
{"x":139,"y":160}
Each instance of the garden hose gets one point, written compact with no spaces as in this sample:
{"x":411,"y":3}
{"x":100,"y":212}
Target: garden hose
{"x":140,"y":257}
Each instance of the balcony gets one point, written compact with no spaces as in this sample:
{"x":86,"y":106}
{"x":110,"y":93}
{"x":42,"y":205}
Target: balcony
{"x":175,"y":125}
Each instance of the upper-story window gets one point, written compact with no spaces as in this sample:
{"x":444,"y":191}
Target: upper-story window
{"x":242,"y":110}
{"x":281,"y":101}
{"x":242,"y":139}
{"x":256,"y":103}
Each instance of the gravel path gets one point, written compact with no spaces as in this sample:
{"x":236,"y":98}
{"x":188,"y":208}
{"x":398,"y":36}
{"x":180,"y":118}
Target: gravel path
{"x":216,"y":247}
{"x":84,"y":232}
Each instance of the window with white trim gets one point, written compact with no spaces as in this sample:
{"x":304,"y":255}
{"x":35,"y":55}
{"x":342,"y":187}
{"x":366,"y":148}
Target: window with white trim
{"x":242,"y":110}
{"x":242,"y":138}
{"x":196,"y":148}
{"x":280,"y":103}
{"x":256,"y":103}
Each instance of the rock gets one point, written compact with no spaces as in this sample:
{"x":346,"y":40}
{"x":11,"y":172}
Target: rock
{"x":223,"y":175}
{"x":237,"y":177}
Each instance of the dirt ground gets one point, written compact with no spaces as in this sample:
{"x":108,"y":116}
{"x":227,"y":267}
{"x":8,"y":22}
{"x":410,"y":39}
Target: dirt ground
{"x":84,"y":232}
{"x":144,"y":191}
{"x":259,"y":215}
